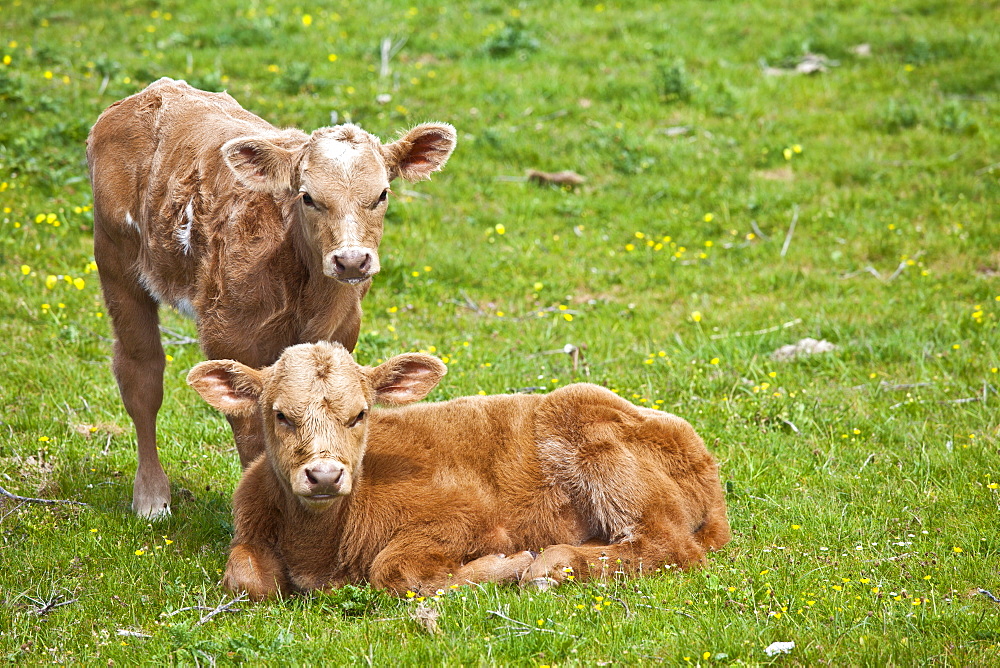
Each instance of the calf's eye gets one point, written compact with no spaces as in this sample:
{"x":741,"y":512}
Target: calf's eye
{"x":308,"y":200}
{"x":356,"y":420}
{"x":281,"y":419}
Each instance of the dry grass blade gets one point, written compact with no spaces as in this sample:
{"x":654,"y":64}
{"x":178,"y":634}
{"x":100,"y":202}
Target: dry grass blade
{"x":988,"y":594}
{"x":791,"y":231}
{"x":520,"y":628}
{"x":178,"y":338}
{"x":28,"y":499}
{"x":806,"y":346}
{"x":766,"y":330}
{"x":129,"y":633}
{"x":225,"y":606}
{"x":43,"y":608}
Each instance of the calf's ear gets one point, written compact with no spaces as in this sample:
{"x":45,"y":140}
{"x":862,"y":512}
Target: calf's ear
{"x":422,"y":150}
{"x":228,"y":386}
{"x":259,"y":164}
{"x":405,"y":378}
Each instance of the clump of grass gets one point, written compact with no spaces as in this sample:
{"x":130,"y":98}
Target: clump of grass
{"x":294,"y":78}
{"x":898,"y":115}
{"x":514,"y":38}
{"x":11,"y":87}
{"x":353,"y":601}
{"x":672,"y":82}
{"x":256,"y":32}
{"x":212,"y":80}
{"x":720,"y":100}
{"x":623,"y":150}
{"x":952,"y":118}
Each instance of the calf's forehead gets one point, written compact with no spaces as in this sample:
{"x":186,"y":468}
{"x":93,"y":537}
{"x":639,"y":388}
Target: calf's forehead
{"x":308,"y":375}
{"x":344,"y":154}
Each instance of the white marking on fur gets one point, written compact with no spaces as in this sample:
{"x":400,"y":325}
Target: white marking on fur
{"x":183,"y":305}
{"x":349,"y":233}
{"x":340,"y":152}
{"x":183,"y":235}
{"x":186,"y":308}
{"x":147,"y":284}
{"x":130,"y":221}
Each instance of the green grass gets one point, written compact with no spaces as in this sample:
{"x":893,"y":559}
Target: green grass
{"x":862,"y":483}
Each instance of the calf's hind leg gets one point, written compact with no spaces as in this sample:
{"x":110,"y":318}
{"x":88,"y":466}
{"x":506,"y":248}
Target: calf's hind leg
{"x":248,"y":430}
{"x":399,"y":570}
{"x":669,"y":546}
{"x":495,"y":568}
{"x":138,"y":366}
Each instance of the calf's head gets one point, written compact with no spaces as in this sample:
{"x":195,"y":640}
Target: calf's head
{"x":335,"y":185}
{"x":314,"y":403}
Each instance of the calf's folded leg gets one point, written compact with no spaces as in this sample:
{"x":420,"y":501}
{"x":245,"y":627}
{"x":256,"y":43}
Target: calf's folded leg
{"x":643,"y":554}
{"x":256,"y":571}
{"x":495,"y":568}
{"x":426,"y":571}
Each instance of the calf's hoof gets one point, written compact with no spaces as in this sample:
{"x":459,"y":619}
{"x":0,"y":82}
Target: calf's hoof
{"x":151,"y":494}
{"x":152,"y":513}
{"x":543,"y":583}
{"x":151,"y":506}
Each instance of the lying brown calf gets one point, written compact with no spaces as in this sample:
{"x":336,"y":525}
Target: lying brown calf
{"x":421,"y":497}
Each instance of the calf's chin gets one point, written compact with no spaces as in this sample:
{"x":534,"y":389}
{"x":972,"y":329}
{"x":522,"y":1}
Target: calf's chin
{"x":317,"y":504}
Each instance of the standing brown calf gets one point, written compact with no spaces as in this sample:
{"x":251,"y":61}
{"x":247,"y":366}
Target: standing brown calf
{"x":420,"y":497}
{"x":267,"y":237}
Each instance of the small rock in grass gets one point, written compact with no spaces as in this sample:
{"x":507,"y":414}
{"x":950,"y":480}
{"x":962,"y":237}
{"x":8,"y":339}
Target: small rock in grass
{"x":776,"y":648}
{"x":565,"y":178}
{"x":806,"y":346}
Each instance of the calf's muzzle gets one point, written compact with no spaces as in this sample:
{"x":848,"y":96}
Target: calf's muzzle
{"x":321,"y":481}
{"x":351,"y":265}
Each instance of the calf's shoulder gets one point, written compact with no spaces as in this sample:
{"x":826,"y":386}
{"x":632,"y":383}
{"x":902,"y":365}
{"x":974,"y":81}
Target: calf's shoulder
{"x":257,"y":505}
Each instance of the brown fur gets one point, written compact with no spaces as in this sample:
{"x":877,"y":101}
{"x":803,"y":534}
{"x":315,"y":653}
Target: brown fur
{"x":437,"y":494}
{"x":268,"y":237}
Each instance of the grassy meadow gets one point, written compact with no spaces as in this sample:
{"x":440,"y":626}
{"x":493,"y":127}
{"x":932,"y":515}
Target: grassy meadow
{"x":732,"y":205}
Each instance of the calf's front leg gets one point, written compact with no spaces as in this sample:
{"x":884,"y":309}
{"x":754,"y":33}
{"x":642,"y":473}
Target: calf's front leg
{"x":257,"y":571}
